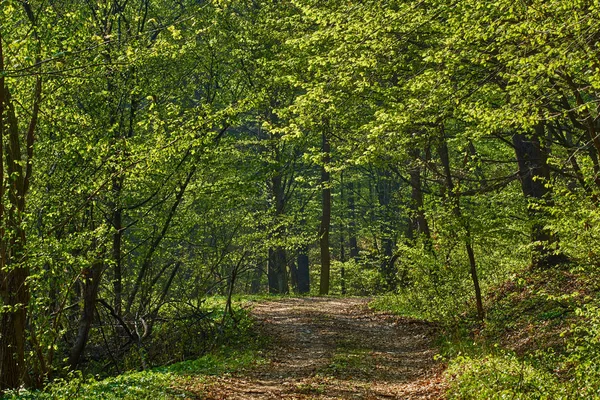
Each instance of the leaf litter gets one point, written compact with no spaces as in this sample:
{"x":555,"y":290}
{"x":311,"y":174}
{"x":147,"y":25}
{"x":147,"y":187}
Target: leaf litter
{"x":334,"y":348}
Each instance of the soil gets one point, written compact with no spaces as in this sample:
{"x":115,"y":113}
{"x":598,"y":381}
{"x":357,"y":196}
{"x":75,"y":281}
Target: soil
{"x":336,"y":348}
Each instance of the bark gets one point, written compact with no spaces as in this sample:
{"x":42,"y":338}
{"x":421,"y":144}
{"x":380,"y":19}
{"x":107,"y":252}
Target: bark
{"x":456,"y":209}
{"x":325,"y":218}
{"x":117,"y":222}
{"x":352,"y":241}
{"x":303,"y":272}
{"x":255,"y":284}
{"x":419,"y":225}
{"x":277,"y":271}
{"x":147,"y":261}
{"x":91,"y":277}
{"x":14,"y":271}
{"x":534,"y":173}
{"x":385,"y":188}
{"x":277,"y":266}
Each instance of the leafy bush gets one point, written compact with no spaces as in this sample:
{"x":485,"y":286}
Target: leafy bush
{"x":501,"y":376}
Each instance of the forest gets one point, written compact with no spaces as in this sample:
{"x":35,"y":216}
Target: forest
{"x":178,"y":178}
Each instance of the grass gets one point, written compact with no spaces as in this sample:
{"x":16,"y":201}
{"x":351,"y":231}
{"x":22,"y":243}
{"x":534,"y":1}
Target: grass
{"x":540,"y":339}
{"x":159,"y":383}
{"x":240,"y":348}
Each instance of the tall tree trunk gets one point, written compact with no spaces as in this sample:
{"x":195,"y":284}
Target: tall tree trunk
{"x":418,"y":225}
{"x":534,"y":173}
{"x":277,"y":271}
{"x":256,"y":278}
{"x":325,"y":217}
{"x":117,"y":222}
{"x":303,"y":271}
{"x":342,"y":239}
{"x":91,"y":284}
{"x":385,"y":187}
{"x":14,"y":270}
{"x":352,"y":241}
{"x":277,"y":266}
{"x":455,"y":199}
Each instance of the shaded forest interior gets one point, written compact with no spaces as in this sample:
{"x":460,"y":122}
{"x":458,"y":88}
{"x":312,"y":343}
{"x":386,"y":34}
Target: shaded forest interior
{"x":160,"y":159}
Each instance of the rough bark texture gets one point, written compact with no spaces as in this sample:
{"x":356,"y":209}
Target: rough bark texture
{"x":534,"y":174}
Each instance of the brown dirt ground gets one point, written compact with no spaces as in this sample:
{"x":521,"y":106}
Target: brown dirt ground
{"x":336,"y":348}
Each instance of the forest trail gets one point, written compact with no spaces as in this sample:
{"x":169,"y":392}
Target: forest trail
{"x":336,"y":348}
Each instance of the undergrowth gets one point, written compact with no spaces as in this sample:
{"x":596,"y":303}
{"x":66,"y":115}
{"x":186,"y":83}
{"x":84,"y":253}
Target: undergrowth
{"x":540,"y":338}
{"x":238,"y":348}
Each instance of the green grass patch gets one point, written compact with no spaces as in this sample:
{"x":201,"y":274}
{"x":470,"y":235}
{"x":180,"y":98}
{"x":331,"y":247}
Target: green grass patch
{"x":239,"y":347}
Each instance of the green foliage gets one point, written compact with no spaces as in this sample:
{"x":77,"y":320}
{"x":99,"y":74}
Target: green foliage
{"x":238,"y":348}
{"x":502,"y":376}
{"x":138,"y":385}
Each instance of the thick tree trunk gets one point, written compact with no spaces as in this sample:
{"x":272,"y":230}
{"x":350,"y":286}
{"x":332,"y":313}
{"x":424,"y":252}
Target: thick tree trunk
{"x":15,"y":298}
{"x":534,"y":174}
{"x":325,"y":218}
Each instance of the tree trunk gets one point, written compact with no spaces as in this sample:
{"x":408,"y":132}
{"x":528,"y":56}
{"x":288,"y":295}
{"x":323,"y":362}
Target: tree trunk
{"x":277,"y":266}
{"x":255,"y":284}
{"x":385,"y":188}
{"x":117,"y":222}
{"x":277,"y":271}
{"x":418,"y":225}
{"x":352,"y":241}
{"x":92,"y":277}
{"x":325,"y":218}
{"x":534,"y":173}
{"x":455,"y":199}
{"x":303,"y":271}
{"x":14,"y":271}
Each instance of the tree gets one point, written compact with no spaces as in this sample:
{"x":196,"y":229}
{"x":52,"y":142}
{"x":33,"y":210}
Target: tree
{"x":16,"y":167}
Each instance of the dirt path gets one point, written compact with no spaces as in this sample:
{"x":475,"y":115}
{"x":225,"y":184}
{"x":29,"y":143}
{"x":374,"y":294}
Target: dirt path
{"x":326,"y":348}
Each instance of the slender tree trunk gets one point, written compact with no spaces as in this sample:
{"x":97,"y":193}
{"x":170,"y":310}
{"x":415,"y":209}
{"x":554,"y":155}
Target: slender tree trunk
{"x":325,"y":217}
{"x":277,"y":271}
{"x":117,"y":222}
{"x":14,"y":270}
{"x":146,"y":263}
{"x":454,"y":197}
{"x":256,"y":278}
{"x":419,"y":225}
{"x":91,"y":277}
{"x":303,"y":271}
{"x":352,"y":241}
{"x":277,"y":266}
{"x":385,"y":187}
